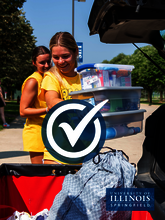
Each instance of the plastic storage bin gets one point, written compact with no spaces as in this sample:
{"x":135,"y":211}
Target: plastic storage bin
{"x":121,"y":114}
{"x":100,"y":75}
{"x":119,"y":124}
{"x":120,"y":98}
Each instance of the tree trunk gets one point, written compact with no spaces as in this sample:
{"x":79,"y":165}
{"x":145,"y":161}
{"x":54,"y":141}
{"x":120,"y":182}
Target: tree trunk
{"x":150,"y":96}
{"x":161,"y":96}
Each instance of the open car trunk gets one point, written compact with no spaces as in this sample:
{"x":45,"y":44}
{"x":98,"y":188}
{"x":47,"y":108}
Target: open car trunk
{"x":129,"y":21}
{"x":139,"y":21}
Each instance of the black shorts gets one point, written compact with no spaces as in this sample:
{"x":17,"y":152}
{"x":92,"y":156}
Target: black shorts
{"x":1,"y":103}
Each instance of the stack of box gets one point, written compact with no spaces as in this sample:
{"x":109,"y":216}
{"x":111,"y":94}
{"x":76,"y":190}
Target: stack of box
{"x":122,"y":113}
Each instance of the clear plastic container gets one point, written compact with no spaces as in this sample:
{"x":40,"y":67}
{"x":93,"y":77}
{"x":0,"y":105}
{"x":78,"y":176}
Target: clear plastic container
{"x":104,"y":75}
{"x":120,"y":124}
{"x":120,"y":98}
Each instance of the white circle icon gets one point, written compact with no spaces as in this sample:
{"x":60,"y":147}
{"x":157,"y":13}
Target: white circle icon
{"x":73,"y":135}
{"x":74,"y":130}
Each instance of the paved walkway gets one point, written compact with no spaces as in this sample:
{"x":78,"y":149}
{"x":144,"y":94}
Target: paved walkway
{"x":11,"y":145}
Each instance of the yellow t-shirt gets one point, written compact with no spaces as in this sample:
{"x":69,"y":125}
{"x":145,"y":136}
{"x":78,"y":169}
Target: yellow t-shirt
{"x":67,"y":85}
{"x":32,"y":139}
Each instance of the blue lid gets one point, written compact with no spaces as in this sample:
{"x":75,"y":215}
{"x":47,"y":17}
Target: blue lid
{"x":85,"y":66}
{"x":110,"y":68}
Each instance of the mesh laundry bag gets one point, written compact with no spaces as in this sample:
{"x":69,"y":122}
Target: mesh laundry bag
{"x":83,"y":195}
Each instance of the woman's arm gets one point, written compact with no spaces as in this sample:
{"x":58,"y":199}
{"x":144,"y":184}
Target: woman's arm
{"x":52,"y":98}
{"x":29,"y":94}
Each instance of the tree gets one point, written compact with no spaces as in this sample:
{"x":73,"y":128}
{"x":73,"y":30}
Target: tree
{"x":146,"y":74}
{"x":161,"y":87}
{"x":16,"y":44}
{"x":121,"y":57}
{"x":105,"y":61}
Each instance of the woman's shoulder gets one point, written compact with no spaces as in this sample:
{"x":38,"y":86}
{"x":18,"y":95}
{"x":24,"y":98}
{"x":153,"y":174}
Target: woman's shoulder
{"x":34,"y":75}
{"x":51,"y":73}
{"x":29,"y":79}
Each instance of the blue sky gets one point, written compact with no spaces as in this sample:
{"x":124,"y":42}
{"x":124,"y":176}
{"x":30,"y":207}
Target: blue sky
{"x":51,"y":16}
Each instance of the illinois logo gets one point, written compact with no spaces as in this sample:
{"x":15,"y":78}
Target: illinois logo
{"x":74,"y":131}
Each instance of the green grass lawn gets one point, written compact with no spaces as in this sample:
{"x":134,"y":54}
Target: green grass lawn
{"x":154,"y":101}
{"x":11,"y":112}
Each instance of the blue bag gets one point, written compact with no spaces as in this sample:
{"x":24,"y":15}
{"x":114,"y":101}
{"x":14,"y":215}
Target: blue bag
{"x":83,"y":195}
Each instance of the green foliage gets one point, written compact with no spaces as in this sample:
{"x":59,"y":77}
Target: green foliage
{"x":121,"y":57}
{"x":105,"y":61}
{"x":163,"y":36}
{"x":145,"y":73}
{"x":16,"y":44}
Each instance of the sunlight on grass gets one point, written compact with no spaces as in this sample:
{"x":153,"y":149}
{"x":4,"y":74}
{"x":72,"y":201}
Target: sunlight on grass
{"x":154,"y":101}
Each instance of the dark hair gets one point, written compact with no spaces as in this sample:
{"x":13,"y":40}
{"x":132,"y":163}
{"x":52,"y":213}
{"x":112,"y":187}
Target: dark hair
{"x":39,"y":51}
